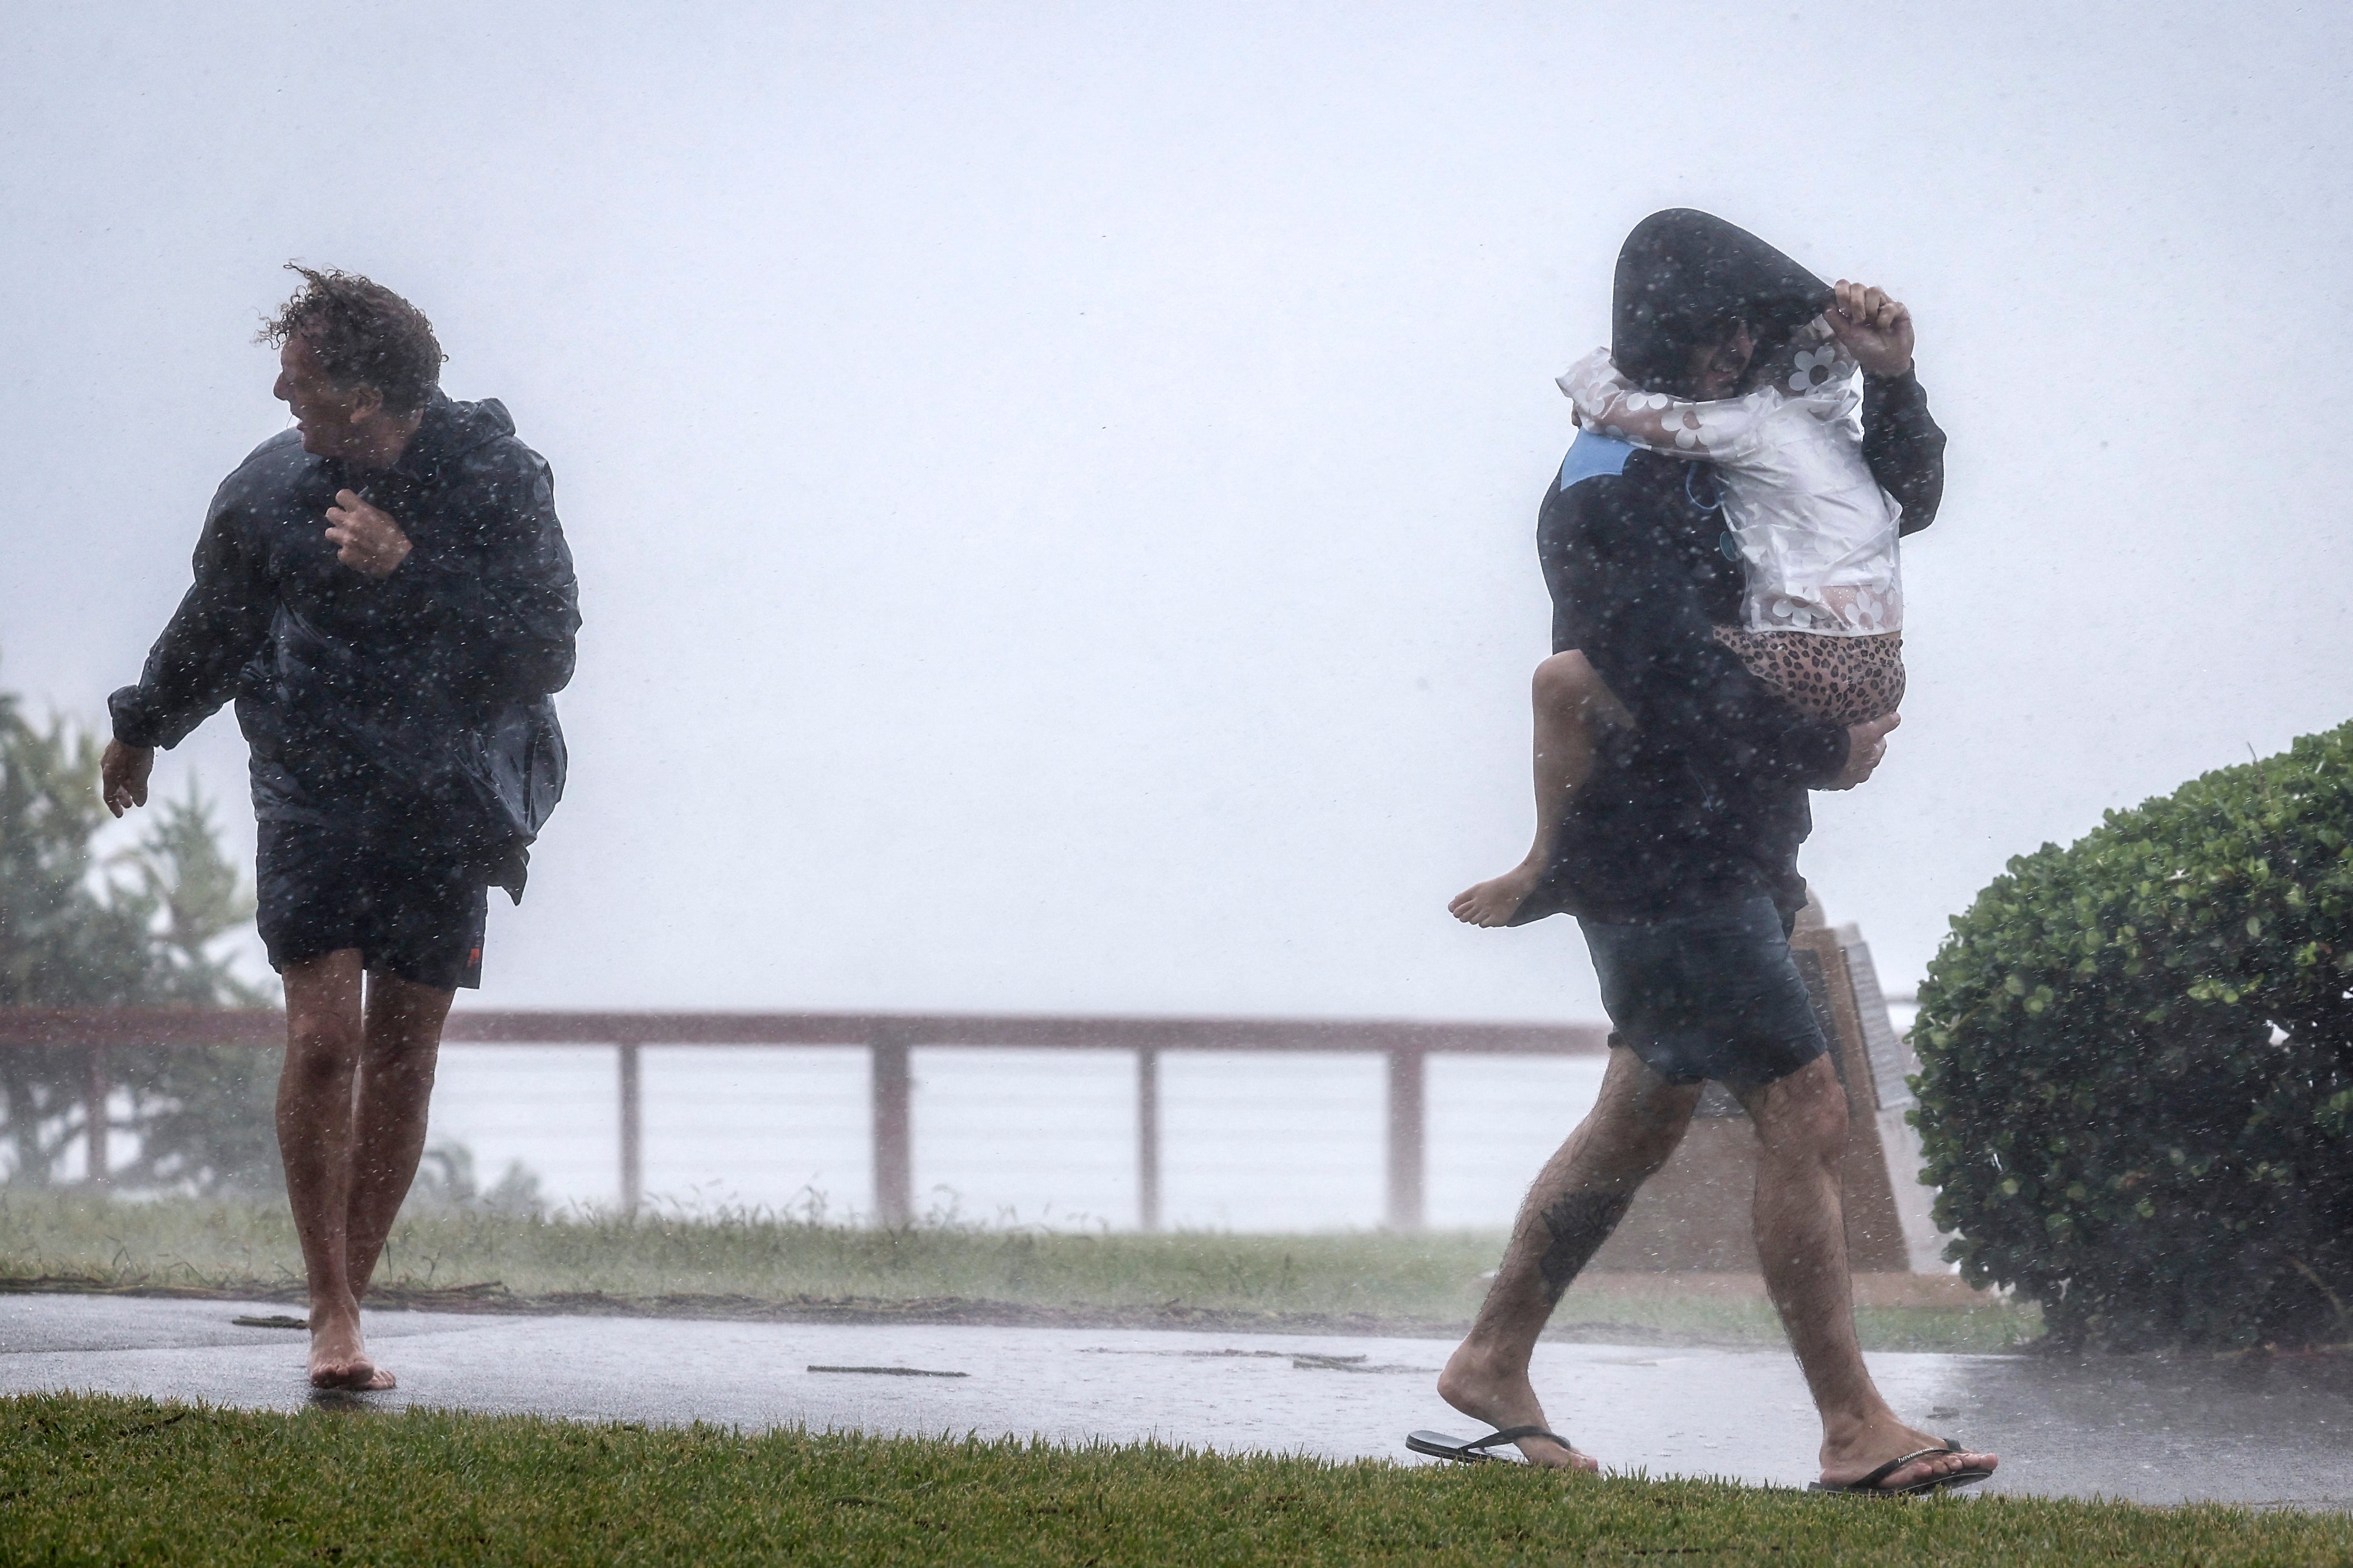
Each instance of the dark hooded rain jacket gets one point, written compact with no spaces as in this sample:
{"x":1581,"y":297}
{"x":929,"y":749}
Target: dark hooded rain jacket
{"x":412,"y":713}
{"x":1704,"y":801}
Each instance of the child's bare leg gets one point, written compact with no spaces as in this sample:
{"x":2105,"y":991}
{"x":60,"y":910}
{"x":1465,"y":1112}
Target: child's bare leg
{"x":1571,"y":703}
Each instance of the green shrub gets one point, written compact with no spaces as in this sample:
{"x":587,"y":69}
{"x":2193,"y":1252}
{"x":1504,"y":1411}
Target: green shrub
{"x":2137,"y":1055}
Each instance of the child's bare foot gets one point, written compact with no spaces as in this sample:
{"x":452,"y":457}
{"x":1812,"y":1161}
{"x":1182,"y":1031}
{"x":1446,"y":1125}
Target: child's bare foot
{"x":339,"y":1357}
{"x":1495,"y":902}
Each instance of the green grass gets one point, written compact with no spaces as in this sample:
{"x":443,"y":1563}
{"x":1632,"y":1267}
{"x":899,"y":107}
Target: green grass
{"x":91,"y":1479}
{"x":757,"y":1265}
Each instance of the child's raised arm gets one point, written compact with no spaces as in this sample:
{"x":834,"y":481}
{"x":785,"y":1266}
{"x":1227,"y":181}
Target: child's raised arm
{"x":1815,"y":367}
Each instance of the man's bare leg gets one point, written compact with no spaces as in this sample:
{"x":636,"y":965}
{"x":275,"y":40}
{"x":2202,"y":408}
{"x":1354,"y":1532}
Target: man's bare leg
{"x":395,"y":1086}
{"x":1801,"y":1125}
{"x":1578,"y":1199}
{"x":324,"y":1029}
{"x":1571,"y":702}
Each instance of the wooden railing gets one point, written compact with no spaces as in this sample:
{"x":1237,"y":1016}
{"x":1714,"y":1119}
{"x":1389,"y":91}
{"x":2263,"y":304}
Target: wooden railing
{"x":888,"y":1037}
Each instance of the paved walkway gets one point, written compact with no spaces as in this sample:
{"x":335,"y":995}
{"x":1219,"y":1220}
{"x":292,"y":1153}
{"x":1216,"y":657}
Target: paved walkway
{"x":2248,"y":1430}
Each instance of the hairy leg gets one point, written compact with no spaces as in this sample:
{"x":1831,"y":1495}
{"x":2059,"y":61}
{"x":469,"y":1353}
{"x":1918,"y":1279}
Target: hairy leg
{"x":1571,"y":703}
{"x":1578,"y":1199}
{"x":1801,"y":1127}
{"x":395,"y":1086}
{"x":323,"y":1034}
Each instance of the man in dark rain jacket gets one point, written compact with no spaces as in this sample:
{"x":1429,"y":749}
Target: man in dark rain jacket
{"x":386,"y":593}
{"x":1679,"y":852}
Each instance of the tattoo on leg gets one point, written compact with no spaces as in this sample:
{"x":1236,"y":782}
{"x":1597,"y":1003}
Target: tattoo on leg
{"x":1579,"y":1224}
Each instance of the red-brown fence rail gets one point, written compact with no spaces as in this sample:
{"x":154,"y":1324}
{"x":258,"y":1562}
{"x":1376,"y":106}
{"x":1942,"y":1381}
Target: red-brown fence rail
{"x":888,"y":1037}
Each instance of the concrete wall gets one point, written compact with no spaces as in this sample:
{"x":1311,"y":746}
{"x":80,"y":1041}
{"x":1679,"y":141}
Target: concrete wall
{"x":1694,"y":1215}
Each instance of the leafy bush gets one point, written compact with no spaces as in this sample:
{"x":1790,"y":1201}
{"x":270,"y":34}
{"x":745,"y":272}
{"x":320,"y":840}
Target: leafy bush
{"x":2136,"y":1052}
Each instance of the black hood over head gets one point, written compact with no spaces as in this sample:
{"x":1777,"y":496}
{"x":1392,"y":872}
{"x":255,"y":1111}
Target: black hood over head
{"x":1680,"y":272}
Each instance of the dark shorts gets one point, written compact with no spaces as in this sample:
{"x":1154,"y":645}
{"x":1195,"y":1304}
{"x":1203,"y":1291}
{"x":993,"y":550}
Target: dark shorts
{"x":321,"y":891}
{"x":1713,"y":995}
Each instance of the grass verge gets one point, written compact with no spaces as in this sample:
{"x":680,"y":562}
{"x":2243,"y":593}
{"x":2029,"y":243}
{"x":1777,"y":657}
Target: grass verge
{"x":102,"y":1479}
{"x":757,"y":1265}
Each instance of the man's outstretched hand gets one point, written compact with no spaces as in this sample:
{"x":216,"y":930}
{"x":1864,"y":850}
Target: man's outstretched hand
{"x":123,"y":775}
{"x":365,"y":538}
{"x":1865,"y":744}
{"x":1876,"y":330}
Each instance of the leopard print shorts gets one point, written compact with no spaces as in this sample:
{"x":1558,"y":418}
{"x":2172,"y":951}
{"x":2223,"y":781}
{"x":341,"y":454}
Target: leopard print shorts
{"x":1843,"y":679}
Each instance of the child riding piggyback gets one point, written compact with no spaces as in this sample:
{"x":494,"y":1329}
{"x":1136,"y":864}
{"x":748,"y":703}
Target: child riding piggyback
{"x":1769,"y":415}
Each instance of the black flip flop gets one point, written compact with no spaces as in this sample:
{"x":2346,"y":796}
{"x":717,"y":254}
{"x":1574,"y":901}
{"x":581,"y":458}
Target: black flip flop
{"x":1471,"y":1450}
{"x":1869,"y":1485}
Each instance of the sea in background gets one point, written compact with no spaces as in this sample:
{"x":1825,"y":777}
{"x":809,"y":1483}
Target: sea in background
{"x":1250,"y":1141}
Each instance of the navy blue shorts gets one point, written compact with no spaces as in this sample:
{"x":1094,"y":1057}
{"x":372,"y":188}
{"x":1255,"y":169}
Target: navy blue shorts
{"x":320,"y":889}
{"x":1713,"y":995}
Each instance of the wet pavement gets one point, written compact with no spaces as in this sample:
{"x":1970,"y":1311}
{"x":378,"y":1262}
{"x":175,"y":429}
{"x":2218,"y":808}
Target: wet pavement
{"x":2273,"y":1431}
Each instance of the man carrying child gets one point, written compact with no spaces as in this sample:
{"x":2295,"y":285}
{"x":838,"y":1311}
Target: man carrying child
{"x":1679,"y":814}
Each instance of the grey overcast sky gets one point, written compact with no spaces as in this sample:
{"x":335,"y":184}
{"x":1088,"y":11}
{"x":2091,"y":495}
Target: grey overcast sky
{"x":1054,"y":486}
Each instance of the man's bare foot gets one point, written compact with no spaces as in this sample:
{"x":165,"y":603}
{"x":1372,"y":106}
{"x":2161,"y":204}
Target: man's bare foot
{"x":1848,"y":1461}
{"x":1493,"y":903}
{"x":1479,"y":1392}
{"x":339,"y":1357}
{"x":354,"y":1374}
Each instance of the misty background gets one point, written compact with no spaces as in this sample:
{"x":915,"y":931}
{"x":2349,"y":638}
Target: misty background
{"x":1053,"y":487}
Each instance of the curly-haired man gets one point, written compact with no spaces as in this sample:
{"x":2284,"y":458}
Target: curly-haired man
{"x":386,"y":593}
